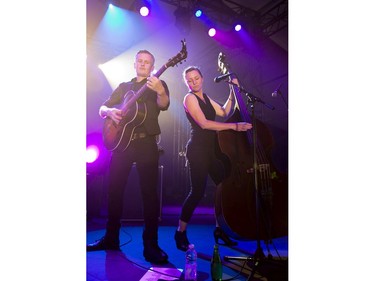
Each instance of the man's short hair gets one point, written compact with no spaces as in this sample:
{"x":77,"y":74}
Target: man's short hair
{"x":146,"y":52}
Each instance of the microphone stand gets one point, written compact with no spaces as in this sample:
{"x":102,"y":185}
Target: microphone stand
{"x":259,"y":254}
{"x":251,"y":98}
{"x":278,"y":92}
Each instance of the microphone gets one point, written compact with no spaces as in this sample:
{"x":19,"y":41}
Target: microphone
{"x":221,"y":77}
{"x":275,"y":93}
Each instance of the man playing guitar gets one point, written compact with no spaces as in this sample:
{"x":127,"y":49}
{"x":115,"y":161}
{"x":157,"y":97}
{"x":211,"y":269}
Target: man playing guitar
{"x":135,"y":142}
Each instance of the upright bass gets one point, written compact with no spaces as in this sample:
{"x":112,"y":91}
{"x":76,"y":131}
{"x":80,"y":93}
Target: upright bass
{"x":252,"y":202}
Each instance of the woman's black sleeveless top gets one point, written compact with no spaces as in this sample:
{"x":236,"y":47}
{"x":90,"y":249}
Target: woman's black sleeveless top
{"x":202,"y":137}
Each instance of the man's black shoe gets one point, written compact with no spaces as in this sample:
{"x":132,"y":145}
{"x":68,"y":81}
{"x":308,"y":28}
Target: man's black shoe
{"x":153,"y":253}
{"x":102,"y":244}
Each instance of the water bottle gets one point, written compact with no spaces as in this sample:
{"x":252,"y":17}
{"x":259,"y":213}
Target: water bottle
{"x":191,"y":263}
{"x":216,"y":265}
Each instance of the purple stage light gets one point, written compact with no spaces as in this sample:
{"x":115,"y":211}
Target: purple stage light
{"x":212,"y":32}
{"x":144,"y":11}
{"x":92,"y":153}
{"x":97,"y":155}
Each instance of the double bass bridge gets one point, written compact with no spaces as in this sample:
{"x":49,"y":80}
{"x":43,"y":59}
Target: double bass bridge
{"x":264,"y":183}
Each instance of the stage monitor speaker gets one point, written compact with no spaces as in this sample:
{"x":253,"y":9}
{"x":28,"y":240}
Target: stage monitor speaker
{"x":132,"y":210}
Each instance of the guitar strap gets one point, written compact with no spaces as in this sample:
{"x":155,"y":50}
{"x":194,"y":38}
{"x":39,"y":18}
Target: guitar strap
{"x":131,"y":86}
{"x":126,"y":87}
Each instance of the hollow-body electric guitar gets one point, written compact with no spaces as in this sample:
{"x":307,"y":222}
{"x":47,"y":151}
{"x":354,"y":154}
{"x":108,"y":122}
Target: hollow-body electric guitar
{"x":117,"y":137}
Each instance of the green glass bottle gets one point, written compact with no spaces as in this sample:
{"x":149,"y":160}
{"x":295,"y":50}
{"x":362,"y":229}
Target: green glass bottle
{"x":216,"y":265}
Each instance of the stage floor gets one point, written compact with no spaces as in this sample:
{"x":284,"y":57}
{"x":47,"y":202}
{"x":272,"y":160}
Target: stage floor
{"x":129,"y":264}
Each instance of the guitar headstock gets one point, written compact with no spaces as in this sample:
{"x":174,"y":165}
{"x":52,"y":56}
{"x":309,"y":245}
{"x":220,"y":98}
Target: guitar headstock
{"x":223,"y":65}
{"x":182,"y":55}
